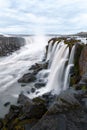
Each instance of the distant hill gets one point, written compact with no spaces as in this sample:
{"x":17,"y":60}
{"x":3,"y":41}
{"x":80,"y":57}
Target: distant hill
{"x":82,"y":34}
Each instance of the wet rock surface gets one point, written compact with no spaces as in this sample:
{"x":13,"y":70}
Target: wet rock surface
{"x":29,"y":77}
{"x":10,"y":44}
{"x":6,"y":104}
{"x":39,"y":85}
{"x":33,"y":71}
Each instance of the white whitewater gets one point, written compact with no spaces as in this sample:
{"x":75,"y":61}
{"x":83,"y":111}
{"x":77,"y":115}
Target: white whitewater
{"x":14,"y":66}
{"x":69,"y":66}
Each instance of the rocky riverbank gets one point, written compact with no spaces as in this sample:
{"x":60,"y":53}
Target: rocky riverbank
{"x":66,"y":111}
{"x":10,"y":44}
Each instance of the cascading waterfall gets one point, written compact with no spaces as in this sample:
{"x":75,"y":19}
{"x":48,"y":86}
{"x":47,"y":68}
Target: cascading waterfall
{"x":69,"y":66}
{"x":49,"y":51}
{"x":57,"y":70}
{"x":51,"y":60}
{"x":52,"y":54}
{"x":58,"y":78}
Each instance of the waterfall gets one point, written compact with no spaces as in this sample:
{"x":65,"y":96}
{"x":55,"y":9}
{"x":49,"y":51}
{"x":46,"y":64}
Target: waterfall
{"x":49,"y":50}
{"x":28,"y":40}
{"x":69,"y":66}
{"x":58,"y":79}
{"x":57,"y":56}
{"x":57,"y":69}
{"x":52,"y":54}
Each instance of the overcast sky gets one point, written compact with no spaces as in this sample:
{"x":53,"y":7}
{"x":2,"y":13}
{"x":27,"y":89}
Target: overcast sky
{"x":43,"y":16}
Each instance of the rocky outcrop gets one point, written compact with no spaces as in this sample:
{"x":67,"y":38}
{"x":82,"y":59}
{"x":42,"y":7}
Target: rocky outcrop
{"x":67,"y":113}
{"x":83,"y":61}
{"x":81,"y":34}
{"x":82,"y":84}
{"x":25,"y":114}
{"x":10,"y":44}
{"x":33,"y":71}
{"x":75,"y":75}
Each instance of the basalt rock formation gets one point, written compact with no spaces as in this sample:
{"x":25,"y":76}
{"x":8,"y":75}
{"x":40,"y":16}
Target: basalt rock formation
{"x":83,"y":61}
{"x":33,"y":71}
{"x":10,"y":44}
{"x":67,"y":113}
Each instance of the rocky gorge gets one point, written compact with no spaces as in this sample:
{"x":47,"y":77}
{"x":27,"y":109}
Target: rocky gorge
{"x":10,"y":44}
{"x":65,"y":111}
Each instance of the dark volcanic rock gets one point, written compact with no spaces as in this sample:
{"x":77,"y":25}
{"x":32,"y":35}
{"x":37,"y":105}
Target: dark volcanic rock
{"x":75,"y":76}
{"x":83,"y":61}
{"x":39,"y":66}
{"x":33,"y":71}
{"x":49,"y":98}
{"x":83,"y":80}
{"x":82,"y":67}
{"x":6,"y":104}
{"x":65,"y":114}
{"x":26,"y":113}
{"x":23,"y":99}
{"x":31,"y":109}
{"x":29,"y":77}
{"x":39,"y":85}
{"x":33,"y":90}
{"x":1,"y":123}
{"x":68,"y":112}
{"x":10,"y":44}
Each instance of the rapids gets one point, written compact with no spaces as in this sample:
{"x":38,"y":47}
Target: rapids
{"x":12,"y":67}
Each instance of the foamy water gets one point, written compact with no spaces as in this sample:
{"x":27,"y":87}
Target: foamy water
{"x":14,"y":66}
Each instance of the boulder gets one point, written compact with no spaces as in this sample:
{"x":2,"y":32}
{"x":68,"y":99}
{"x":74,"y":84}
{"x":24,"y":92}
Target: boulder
{"x":32,"y":108}
{"x":39,"y":85}
{"x":7,"y":104}
{"x":33,"y":71}
{"x":33,"y":90}
{"x":22,"y":99}
{"x":39,"y":66}
{"x":26,"y":78}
